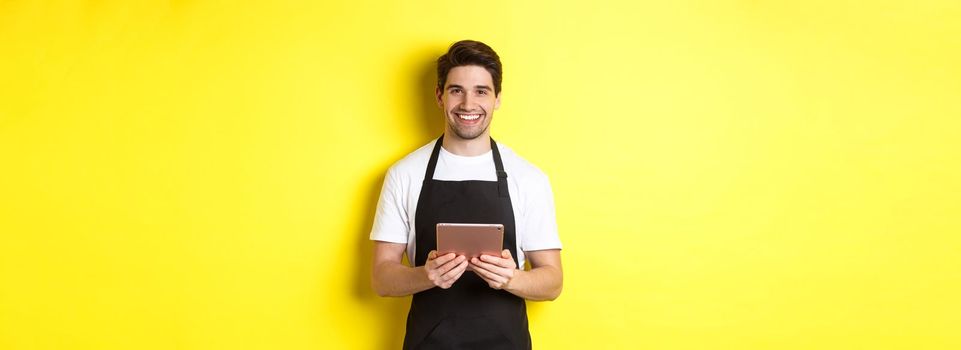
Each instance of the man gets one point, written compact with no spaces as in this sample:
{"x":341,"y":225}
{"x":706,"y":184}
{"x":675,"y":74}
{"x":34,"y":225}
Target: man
{"x":465,"y":177}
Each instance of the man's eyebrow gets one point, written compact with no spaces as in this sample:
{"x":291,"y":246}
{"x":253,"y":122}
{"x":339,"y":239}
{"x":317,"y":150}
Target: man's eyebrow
{"x":478,"y":87}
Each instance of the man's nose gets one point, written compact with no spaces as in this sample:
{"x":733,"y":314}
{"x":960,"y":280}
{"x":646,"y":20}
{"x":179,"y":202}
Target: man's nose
{"x":468,"y":102}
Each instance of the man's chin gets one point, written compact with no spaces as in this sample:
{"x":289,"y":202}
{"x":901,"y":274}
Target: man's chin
{"x":467,"y":135}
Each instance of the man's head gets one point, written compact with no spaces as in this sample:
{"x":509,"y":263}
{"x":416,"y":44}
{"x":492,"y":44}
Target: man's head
{"x":468,"y":87}
{"x":470,"y":53}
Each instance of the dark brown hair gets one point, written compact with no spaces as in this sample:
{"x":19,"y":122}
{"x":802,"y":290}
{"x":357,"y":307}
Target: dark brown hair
{"x":470,"y":53}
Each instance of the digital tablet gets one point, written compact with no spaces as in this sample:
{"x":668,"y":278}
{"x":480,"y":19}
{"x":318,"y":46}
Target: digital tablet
{"x":470,"y":240}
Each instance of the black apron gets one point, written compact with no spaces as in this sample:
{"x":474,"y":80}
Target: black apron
{"x":469,"y":314}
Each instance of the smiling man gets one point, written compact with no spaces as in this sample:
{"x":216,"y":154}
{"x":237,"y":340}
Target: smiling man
{"x":465,"y":177}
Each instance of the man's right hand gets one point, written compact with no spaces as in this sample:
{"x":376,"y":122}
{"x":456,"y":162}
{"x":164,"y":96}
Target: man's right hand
{"x":444,"y":270}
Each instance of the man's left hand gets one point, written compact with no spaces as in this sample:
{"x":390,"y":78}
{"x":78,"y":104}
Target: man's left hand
{"x":497,"y":271}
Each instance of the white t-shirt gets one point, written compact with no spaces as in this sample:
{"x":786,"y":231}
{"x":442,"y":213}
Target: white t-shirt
{"x":529,"y":189}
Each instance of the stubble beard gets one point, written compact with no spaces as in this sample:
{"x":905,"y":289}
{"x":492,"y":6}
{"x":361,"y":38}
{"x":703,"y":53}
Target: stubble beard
{"x":468,"y":133}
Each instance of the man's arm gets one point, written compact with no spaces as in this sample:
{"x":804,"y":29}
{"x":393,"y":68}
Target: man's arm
{"x":392,"y":278}
{"x":544,"y":281}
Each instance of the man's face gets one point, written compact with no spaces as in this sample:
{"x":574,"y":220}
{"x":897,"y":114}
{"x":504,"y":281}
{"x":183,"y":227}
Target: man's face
{"x":468,"y":101}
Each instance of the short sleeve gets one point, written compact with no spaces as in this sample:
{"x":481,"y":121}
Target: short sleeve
{"x":540,"y":222}
{"x":390,"y":221}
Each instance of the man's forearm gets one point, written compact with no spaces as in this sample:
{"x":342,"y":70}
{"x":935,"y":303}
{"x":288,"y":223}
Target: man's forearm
{"x":393,"y":279}
{"x":539,"y":284}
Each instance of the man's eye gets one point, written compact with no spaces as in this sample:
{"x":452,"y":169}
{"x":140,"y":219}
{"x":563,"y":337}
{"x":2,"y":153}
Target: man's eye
{"x":482,"y":92}
{"x":455,"y":91}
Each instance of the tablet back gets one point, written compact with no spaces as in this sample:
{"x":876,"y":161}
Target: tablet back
{"x":470,"y":240}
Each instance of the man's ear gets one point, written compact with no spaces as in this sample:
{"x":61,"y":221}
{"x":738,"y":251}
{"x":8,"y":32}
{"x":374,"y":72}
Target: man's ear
{"x":439,"y":94}
{"x":497,"y":101}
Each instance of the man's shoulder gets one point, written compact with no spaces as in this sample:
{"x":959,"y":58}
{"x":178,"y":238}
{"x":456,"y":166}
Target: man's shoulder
{"x":413,"y":163}
{"x":519,"y":167}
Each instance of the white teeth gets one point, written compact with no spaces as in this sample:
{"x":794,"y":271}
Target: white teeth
{"x":469,"y":116}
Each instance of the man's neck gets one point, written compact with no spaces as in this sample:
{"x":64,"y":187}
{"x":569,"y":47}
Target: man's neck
{"x":467,"y":148}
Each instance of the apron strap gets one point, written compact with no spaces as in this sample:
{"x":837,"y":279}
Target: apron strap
{"x":501,"y":174}
{"x":432,"y":163}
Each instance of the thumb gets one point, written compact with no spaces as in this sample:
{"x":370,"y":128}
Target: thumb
{"x":432,"y":255}
{"x":506,"y":254}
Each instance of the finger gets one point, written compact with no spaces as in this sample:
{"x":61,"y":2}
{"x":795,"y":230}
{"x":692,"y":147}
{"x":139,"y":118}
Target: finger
{"x":432,"y":255}
{"x":462,"y":270}
{"x":482,"y":276}
{"x":455,"y":272}
{"x":448,"y":279}
{"x":443,"y":259}
{"x":491,"y":277}
{"x":451,"y":264}
{"x":505,"y":263}
{"x":506,"y":254}
{"x":481,"y":272}
{"x":489,"y":267}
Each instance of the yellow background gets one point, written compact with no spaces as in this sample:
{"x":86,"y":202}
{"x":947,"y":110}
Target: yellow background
{"x":728,"y":174}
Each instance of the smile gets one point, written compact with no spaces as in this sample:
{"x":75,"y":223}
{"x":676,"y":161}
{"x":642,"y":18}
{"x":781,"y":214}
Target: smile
{"x":468,"y":116}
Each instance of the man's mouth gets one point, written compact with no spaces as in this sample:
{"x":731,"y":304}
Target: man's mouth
{"x":468,"y":116}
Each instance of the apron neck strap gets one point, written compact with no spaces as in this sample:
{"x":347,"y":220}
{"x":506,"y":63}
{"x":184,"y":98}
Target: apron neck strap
{"x":498,"y":166}
{"x":501,"y":174}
